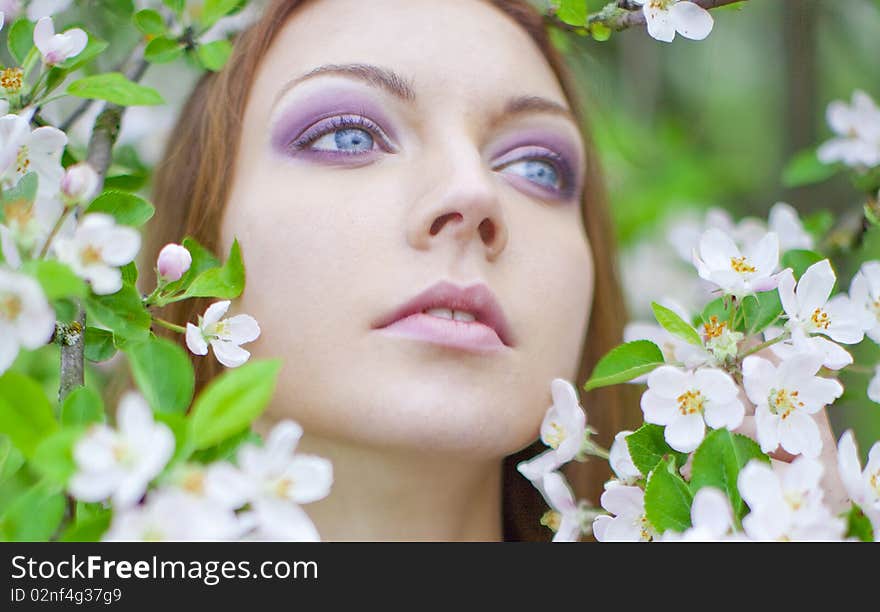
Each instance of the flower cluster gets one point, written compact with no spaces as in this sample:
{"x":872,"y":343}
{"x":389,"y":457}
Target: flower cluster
{"x":732,"y":445}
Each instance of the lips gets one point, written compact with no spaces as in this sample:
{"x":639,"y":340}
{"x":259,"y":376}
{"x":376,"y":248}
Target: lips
{"x":476,"y":299}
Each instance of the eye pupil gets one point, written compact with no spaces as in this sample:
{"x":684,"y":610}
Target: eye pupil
{"x":540,"y":172}
{"x":353,"y":139}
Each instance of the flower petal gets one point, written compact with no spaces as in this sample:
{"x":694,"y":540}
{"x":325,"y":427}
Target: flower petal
{"x":814,"y":287}
{"x":215,"y":311}
{"x":799,"y":434}
{"x":685,"y":433}
{"x":242,"y":328}
{"x":195,"y":340}
{"x":229,"y":354}
{"x":690,"y":20}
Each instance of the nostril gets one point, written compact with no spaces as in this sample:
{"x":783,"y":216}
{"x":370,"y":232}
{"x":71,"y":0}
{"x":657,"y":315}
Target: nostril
{"x":487,"y":231}
{"x":441,"y":221}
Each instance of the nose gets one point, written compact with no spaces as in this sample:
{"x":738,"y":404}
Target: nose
{"x":463,"y":208}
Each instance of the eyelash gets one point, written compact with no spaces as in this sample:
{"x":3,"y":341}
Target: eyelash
{"x":334,"y":124}
{"x":321,"y":128}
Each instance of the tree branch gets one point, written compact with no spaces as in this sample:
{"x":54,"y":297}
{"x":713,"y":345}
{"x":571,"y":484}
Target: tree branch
{"x":621,"y":15}
{"x":100,"y":155}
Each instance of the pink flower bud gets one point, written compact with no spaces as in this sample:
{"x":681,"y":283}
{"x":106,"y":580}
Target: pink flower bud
{"x":174,"y":260}
{"x":79,"y":183}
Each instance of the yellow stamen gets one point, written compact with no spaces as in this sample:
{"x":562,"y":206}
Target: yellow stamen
{"x":551,"y":519}
{"x":555,"y":438}
{"x":91,"y":255}
{"x":783,"y":402}
{"x":820,"y":319}
{"x":11,"y":79}
{"x":713,"y":328}
{"x":22,"y":161}
{"x":690,"y":402}
{"x":10,"y":306}
{"x":739,"y":265}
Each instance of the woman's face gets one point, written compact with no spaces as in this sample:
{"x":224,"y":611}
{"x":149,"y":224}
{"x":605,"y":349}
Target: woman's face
{"x":388,"y":146}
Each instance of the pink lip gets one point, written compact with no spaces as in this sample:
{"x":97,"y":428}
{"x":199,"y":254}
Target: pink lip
{"x":488,"y":332}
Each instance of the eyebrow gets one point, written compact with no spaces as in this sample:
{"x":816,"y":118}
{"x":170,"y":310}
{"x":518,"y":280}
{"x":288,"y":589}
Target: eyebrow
{"x":399,"y":87}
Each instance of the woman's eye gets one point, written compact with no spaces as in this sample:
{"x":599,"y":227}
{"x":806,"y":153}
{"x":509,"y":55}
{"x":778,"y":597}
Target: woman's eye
{"x":347,"y":140}
{"x":538,"y":171}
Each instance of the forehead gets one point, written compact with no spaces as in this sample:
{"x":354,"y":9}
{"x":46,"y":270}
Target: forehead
{"x":456,"y":52}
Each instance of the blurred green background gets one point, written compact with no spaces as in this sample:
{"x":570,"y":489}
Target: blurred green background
{"x":694,"y":124}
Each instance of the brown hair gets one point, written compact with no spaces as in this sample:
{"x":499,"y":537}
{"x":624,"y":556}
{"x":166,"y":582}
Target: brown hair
{"x":192,"y":184}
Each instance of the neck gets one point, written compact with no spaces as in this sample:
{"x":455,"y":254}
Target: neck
{"x":386,"y":495}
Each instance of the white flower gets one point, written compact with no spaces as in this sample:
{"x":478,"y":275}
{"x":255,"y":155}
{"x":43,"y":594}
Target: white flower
{"x":55,"y":48}
{"x":858,"y":132}
{"x":276,"y":481}
{"x":685,"y":231}
{"x":225,"y":335}
{"x":171,"y":515}
{"x":79,"y":183}
{"x":119,"y":464}
{"x":862,"y":486}
{"x":834,"y":356}
{"x":629,"y":523}
{"x":874,"y":386}
{"x":26,"y":319}
{"x":666,"y":17}
{"x":621,"y":461}
{"x":785,"y":223}
{"x":564,"y":518}
{"x":563,"y":429}
{"x":173,"y":262}
{"x":685,"y":402}
{"x":864,"y":293}
{"x":785,"y":397}
{"x":97,"y":249}
{"x":9,"y":249}
{"x":809,"y":309}
{"x":720,"y":261}
{"x":23,"y":151}
{"x":37,"y":9}
{"x":216,"y":483}
{"x":10,"y":9}
{"x":711,"y":519}
{"x":787,"y":506}
{"x":672,"y":347}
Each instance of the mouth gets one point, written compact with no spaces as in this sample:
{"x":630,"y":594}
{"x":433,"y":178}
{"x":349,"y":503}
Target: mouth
{"x":468,"y":318}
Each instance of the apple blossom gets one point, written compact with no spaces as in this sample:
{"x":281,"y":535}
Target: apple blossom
{"x":173,"y":262}
{"x":864,"y":293}
{"x":737,"y":273}
{"x":97,"y":249}
{"x":37,"y":9}
{"x":862,"y":486}
{"x":629,"y":523}
{"x":26,"y":318}
{"x":621,"y":461}
{"x":786,"y":503}
{"x":564,"y":429}
{"x":120,"y":463}
{"x":666,"y":17}
{"x":834,"y":356}
{"x":686,"y":401}
{"x":35,"y":151}
{"x":711,"y":520}
{"x":225,"y":336}
{"x":79,"y":183}
{"x":809,"y":308}
{"x":857,"y":127}
{"x":785,"y":222}
{"x":55,"y":48}
{"x":14,"y":129}
{"x":171,"y":515}
{"x":564,"y":516}
{"x":785,"y":396}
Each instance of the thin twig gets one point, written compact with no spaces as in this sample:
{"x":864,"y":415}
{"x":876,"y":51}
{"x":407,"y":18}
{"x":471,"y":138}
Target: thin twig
{"x":622,"y":15}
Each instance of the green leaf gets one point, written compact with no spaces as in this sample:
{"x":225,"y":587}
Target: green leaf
{"x":175,"y":5}
{"x":149,"y":21}
{"x":226,"y":282}
{"x":35,"y":516}
{"x":718,"y":461}
{"x":675,"y":325}
{"x":232,"y":401}
{"x":125,"y":182}
{"x":858,"y":525}
{"x":82,"y":406}
{"x":799,"y":260}
{"x":25,"y":413}
{"x":53,"y":458}
{"x":667,"y":499}
{"x":215,"y":9}
{"x":121,"y":312}
{"x":20,"y":39}
{"x":94,"y":48}
{"x":213,"y":55}
{"x":89,"y":529}
{"x":163,"y":372}
{"x":647,"y":447}
{"x":65,"y":310}
{"x":600,"y":32}
{"x":573,"y":12}
{"x":114,"y":87}
{"x":129,"y":273}
{"x":163,"y":50}
{"x":11,"y":458}
{"x":818,"y":224}
{"x":99,"y":344}
{"x":127,"y":208}
{"x":624,"y":363}
{"x":760,"y":311}
{"x":228,"y":449}
{"x":806,"y":169}
{"x":56,"y":279}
